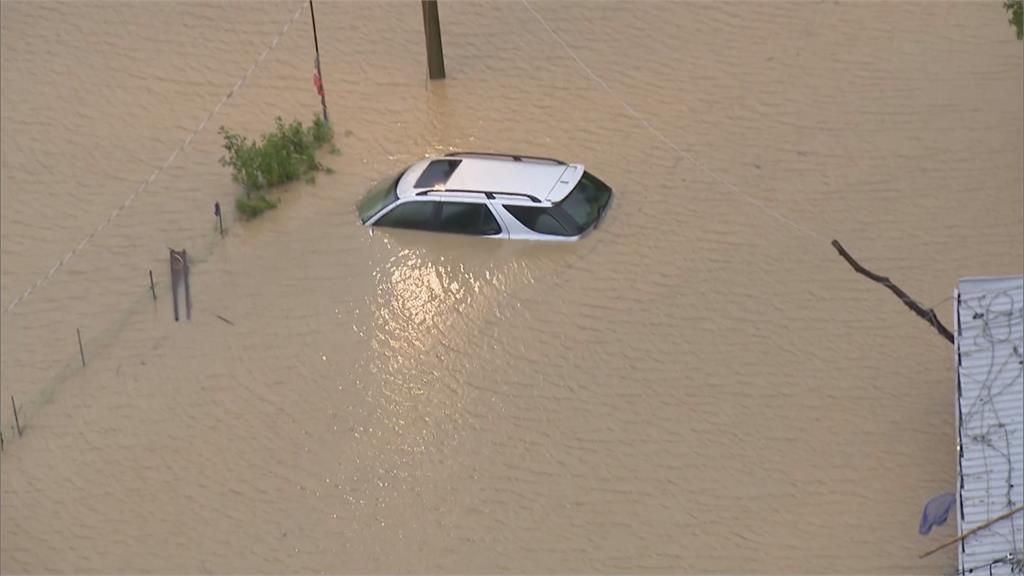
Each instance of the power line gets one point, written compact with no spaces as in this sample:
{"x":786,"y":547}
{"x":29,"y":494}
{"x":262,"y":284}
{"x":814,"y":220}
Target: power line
{"x":662,"y":137}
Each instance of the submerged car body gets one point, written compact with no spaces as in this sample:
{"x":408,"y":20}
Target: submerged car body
{"x":493,"y":195}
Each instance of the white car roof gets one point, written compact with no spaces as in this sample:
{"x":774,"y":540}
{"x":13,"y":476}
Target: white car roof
{"x":547,"y":180}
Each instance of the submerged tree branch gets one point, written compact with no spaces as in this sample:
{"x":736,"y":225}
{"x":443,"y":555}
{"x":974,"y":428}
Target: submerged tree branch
{"x":927,"y":314}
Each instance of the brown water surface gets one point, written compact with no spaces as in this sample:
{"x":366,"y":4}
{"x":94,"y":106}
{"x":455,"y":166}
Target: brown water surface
{"x":700,"y":386}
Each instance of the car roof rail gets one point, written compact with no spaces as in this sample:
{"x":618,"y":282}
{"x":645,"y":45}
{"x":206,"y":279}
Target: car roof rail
{"x":488,"y":194}
{"x":515,"y":157}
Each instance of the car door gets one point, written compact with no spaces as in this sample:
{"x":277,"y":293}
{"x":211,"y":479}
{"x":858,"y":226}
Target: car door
{"x":472,"y":218}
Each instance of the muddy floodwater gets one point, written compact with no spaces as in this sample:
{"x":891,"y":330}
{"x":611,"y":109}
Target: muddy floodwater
{"x":702,"y":385}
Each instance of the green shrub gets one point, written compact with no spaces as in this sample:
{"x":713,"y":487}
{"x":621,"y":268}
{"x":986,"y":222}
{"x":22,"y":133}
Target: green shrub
{"x":284,"y":155}
{"x":321,"y":131}
{"x":1016,"y":10}
{"x":251,"y":205}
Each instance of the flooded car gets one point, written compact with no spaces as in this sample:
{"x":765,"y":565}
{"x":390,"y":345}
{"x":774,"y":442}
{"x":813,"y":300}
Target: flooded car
{"x":493,"y":195}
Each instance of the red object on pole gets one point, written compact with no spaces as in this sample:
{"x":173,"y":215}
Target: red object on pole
{"x":318,"y":84}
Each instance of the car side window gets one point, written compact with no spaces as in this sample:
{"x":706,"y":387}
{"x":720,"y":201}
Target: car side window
{"x":414,"y":215}
{"x":539,"y":220}
{"x":468,"y":218}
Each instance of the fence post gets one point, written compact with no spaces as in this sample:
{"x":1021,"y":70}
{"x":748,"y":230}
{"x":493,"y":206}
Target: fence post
{"x":188,"y":292}
{"x":17,"y":423}
{"x":174,"y":286}
{"x":220,"y":220}
{"x":81,"y":350}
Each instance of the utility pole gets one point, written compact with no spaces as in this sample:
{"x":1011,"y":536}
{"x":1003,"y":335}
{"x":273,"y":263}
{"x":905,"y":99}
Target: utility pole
{"x":318,"y":79}
{"x":432,"y":31}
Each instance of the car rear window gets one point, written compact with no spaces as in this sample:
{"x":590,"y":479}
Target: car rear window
{"x":572,"y":216}
{"x":585,"y":203}
{"x":437,"y":173}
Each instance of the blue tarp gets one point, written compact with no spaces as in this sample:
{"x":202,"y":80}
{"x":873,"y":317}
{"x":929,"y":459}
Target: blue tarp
{"x":936,"y":512}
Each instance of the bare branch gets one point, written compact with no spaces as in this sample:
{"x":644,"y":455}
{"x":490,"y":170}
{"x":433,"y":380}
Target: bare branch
{"x":927,"y":314}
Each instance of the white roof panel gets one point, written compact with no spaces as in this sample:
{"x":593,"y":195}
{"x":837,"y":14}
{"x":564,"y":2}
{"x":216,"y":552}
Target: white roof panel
{"x":549,"y":181}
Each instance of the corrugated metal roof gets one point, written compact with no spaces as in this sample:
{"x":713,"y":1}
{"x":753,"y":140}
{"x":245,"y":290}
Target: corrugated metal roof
{"x":990,"y":420}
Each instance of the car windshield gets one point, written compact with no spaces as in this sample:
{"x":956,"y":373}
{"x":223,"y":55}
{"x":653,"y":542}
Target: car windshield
{"x":586,"y":201}
{"x":379,"y":197}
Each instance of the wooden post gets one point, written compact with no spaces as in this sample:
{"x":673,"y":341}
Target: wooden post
{"x":319,"y":74}
{"x":81,"y":350}
{"x":152,"y":285}
{"x":432,"y":31}
{"x":17,"y":423}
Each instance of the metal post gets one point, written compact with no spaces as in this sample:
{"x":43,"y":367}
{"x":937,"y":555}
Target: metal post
{"x":432,"y":31}
{"x":174,"y":287}
{"x":319,"y":73}
{"x":188,"y":293}
{"x":17,"y":423}
{"x":80,"y":349}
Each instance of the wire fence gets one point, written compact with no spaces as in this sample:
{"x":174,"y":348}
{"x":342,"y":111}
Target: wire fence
{"x":156,"y":173}
{"x":100,"y":321}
